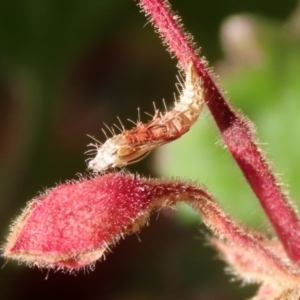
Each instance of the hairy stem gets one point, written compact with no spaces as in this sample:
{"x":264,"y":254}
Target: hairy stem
{"x":226,"y":229}
{"x":236,"y":130}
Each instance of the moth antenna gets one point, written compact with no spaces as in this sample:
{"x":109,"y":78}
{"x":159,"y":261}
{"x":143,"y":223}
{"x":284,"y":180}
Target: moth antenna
{"x":109,"y":129}
{"x":121,"y":123}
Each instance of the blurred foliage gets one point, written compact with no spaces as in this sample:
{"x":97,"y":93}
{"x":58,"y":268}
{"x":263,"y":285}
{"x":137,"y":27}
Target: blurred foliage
{"x":261,"y":78}
{"x":68,"y":66}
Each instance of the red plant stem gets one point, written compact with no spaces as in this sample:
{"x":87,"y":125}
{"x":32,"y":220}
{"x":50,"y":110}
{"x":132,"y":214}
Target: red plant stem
{"x":227,"y":229}
{"x":236,"y":131}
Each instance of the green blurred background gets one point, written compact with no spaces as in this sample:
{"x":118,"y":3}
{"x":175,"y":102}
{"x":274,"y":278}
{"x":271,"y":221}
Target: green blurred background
{"x":68,"y":66}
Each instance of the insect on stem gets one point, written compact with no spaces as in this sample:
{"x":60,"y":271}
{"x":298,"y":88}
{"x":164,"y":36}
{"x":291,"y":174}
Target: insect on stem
{"x":133,"y":145}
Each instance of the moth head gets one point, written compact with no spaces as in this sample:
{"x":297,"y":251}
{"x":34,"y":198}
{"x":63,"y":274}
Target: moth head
{"x":116,"y":152}
{"x":107,"y":156}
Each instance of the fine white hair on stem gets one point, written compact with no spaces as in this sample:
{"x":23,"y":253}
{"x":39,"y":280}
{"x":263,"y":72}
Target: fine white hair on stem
{"x":131,"y":146}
